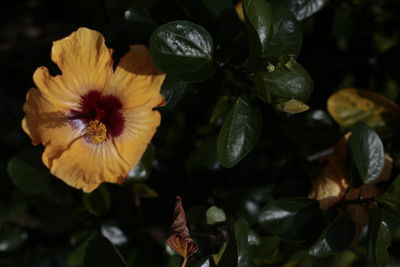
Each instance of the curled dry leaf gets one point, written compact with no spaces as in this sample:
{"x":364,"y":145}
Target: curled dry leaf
{"x":349,"y":106}
{"x":330,"y":186}
{"x":179,"y":238}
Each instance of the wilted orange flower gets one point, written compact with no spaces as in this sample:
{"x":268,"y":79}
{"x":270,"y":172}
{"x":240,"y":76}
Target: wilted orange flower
{"x":95,"y":122}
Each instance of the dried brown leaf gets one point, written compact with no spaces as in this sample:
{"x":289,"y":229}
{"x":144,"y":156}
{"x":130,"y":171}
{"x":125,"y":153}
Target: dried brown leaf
{"x":330,"y":186}
{"x":179,"y":238}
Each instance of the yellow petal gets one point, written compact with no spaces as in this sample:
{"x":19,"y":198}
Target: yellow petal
{"x":84,"y":60}
{"x":85,"y":166}
{"x":137,"y":81}
{"x":46,"y":122}
{"x":140,"y":126}
{"x":56,"y":89}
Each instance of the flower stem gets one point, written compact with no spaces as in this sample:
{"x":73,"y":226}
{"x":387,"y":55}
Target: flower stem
{"x":184,"y":262}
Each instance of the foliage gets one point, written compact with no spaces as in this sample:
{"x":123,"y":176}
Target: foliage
{"x":258,"y":93}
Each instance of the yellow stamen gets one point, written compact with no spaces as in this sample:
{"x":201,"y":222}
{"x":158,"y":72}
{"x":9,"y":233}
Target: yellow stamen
{"x":96,"y":131}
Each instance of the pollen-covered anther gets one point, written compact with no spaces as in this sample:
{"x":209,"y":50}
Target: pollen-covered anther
{"x":96,"y":132}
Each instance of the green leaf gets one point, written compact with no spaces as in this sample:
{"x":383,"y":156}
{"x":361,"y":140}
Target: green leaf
{"x":392,"y":195}
{"x":242,"y":233}
{"x":98,"y":201}
{"x":230,"y":256}
{"x":284,"y":84}
{"x":239,"y":133}
{"x":336,"y":237}
{"x":222,"y":108}
{"x":379,"y":238}
{"x":215,"y":215}
{"x":143,"y":190}
{"x":183,"y":50}
{"x":237,"y":251}
{"x":287,"y":35}
{"x":101,"y":253}
{"x":174,"y":91}
{"x":367,"y":152}
{"x":302,"y":9}
{"x":259,"y":24}
{"x":28,"y":172}
{"x":293,"y":218}
{"x":77,"y":257}
{"x":142,"y":170}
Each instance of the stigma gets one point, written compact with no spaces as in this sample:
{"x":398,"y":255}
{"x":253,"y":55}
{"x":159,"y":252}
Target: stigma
{"x":96,"y":132}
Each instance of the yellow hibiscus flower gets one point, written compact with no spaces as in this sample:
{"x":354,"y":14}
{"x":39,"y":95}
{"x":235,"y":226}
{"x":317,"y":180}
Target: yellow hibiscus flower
{"x":95,"y":122}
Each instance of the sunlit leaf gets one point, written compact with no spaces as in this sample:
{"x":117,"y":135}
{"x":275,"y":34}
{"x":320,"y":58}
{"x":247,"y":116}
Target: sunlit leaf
{"x":215,"y":215}
{"x":293,"y":106}
{"x":349,"y":106}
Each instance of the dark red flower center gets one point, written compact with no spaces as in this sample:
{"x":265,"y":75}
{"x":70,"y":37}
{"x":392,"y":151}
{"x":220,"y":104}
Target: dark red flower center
{"x":104,"y":109}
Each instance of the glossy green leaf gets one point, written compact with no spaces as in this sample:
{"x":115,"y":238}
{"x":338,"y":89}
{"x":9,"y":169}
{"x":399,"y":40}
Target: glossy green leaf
{"x":287,"y":35}
{"x":336,"y":237}
{"x":237,"y":253}
{"x":215,"y":215}
{"x":28,"y":172}
{"x":242,"y":240}
{"x":183,"y":50}
{"x":174,"y":91}
{"x":98,"y":201}
{"x":290,"y":82}
{"x":259,"y":24}
{"x":143,"y":168}
{"x":239,"y":133}
{"x":379,"y":238}
{"x":101,"y":253}
{"x":291,"y":218}
{"x":302,"y":9}
{"x":230,"y":256}
{"x":367,"y":152}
